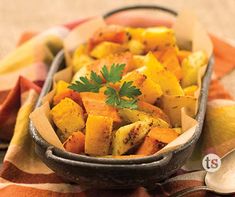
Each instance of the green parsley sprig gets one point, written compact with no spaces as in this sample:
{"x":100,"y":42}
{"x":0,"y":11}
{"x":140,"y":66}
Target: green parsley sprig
{"x":125,"y":97}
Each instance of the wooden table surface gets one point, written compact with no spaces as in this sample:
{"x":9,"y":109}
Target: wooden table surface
{"x":23,"y":15}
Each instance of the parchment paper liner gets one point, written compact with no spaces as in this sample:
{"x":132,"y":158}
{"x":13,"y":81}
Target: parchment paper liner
{"x":189,"y":34}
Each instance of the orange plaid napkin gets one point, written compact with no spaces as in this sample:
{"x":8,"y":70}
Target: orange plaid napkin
{"x":21,"y":76}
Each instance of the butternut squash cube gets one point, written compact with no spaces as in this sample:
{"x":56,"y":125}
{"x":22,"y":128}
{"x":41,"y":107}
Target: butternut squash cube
{"x":98,"y":135}
{"x":68,"y":116}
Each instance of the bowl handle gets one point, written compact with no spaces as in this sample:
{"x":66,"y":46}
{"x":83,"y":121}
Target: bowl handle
{"x":51,"y":155}
{"x":138,"y":7}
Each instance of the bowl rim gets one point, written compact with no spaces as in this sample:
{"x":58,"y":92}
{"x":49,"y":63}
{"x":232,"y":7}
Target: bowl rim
{"x":55,"y":66}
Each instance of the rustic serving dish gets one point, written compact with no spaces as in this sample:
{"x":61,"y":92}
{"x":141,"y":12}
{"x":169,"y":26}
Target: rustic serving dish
{"x":110,"y":172}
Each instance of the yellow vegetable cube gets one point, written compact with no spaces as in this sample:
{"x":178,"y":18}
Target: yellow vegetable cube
{"x":158,"y":37}
{"x":138,"y":61}
{"x":106,"y":48}
{"x":167,"y":81}
{"x":150,"y":91}
{"x":61,"y":86}
{"x":80,"y":58}
{"x":191,"y":66}
{"x":135,"y":47}
{"x":68,"y":116}
{"x":98,"y":135}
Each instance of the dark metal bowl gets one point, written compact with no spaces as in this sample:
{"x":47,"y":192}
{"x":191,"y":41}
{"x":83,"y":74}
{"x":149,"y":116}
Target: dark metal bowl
{"x":117,"y":173}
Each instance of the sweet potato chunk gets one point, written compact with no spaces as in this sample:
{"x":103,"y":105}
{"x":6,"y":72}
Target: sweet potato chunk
{"x":98,"y":135}
{"x":68,"y":116}
{"x":111,"y":33}
{"x":75,"y":143}
{"x":156,"y":139}
{"x":129,"y":136}
{"x":95,"y":104}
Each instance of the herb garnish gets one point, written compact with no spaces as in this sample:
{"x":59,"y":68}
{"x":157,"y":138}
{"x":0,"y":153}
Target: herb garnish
{"x":125,"y":97}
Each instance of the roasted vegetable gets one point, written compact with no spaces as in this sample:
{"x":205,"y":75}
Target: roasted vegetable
{"x":120,"y":58}
{"x":167,"y":81}
{"x":134,"y":115}
{"x":81,"y":58}
{"x":182,"y":54}
{"x":154,"y":111}
{"x":169,"y":59}
{"x":191,"y":66}
{"x":98,"y":135}
{"x":75,"y":143}
{"x":135,"y":47}
{"x":153,"y":38}
{"x":95,"y":104}
{"x":129,"y":136}
{"x":62,"y":91}
{"x":156,"y":139}
{"x":111,"y":33}
{"x":68,"y":116}
{"x":150,"y":91}
{"x":107,"y":48}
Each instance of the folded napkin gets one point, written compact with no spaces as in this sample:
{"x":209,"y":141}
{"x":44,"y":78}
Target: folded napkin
{"x":21,"y":76}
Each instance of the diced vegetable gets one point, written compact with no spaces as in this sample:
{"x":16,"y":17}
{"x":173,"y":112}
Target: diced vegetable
{"x":111,"y":33}
{"x":191,"y":66}
{"x":135,"y":47}
{"x":172,"y":105}
{"x":182,"y":54}
{"x":135,"y":115}
{"x":80,"y":58}
{"x":169,"y":59}
{"x":62,"y":91}
{"x":167,"y":81}
{"x":122,"y":58}
{"x":94,"y":104}
{"x":149,"y":89}
{"x":138,"y":61}
{"x":82,"y":72}
{"x":106,"y":48}
{"x":158,"y":37}
{"x":61,"y":86}
{"x":156,"y":139}
{"x":75,"y":143}
{"x":68,"y":116}
{"x":154,"y":111}
{"x":98,"y":135}
{"x":129,"y":136}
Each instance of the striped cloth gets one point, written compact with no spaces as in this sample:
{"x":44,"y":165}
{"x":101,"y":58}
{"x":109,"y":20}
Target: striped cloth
{"x":21,"y":76}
